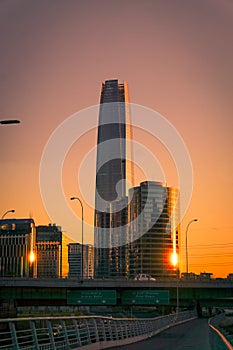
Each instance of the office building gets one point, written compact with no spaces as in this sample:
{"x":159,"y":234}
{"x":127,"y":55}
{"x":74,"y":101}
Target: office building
{"x":49,"y":251}
{"x":155,"y":231}
{"x":17,"y":248}
{"x":75,"y":260}
{"x":113,"y":169}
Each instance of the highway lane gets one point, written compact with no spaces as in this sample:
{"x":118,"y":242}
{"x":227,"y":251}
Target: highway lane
{"x":189,"y":335}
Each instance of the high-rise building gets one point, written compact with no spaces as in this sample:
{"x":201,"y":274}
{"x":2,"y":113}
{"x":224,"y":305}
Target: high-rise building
{"x":17,"y":248}
{"x":49,"y":251}
{"x":75,"y":260}
{"x":155,"y":231}
{"x":140,"y":235}
{"x":113,"y":172}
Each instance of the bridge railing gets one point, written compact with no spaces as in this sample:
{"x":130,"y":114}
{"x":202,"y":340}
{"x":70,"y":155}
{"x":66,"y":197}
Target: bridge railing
{"x":90,"y":332}
{"x":220,"y":339}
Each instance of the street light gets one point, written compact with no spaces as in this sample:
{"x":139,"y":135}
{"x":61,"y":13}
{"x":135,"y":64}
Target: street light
{"x":8,"y":211}
{"x":10,"y":121}
{"x":186,"y":245}
{"x":73,"y":198}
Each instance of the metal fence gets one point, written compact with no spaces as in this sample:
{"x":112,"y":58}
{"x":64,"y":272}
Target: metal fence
{"x":220,"y":338}
{"x":89,"y":332}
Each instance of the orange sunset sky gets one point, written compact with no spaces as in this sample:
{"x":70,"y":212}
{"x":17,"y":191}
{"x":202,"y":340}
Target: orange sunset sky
{"x":176,"y":56}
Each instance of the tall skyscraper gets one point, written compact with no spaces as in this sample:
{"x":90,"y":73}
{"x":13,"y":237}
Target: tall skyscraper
{"x":155,"y":234}
{"x":113,"y":170}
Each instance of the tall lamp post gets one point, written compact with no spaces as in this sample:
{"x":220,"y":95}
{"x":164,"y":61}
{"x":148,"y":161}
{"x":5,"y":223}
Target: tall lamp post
{"x":73,"y":198}
{"x":8,"y":211}
{"x":186,"y":243}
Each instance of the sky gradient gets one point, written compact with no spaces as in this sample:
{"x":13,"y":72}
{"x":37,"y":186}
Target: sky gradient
{"x":176,"y":56}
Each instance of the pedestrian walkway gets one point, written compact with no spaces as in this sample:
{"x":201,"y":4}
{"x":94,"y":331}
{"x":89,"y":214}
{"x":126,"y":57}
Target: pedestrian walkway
{"x":189,"y":335}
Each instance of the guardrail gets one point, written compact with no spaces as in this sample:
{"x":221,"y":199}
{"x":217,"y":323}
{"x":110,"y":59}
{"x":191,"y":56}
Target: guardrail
{"x":89,"y":332}
{"x":220,"y":339}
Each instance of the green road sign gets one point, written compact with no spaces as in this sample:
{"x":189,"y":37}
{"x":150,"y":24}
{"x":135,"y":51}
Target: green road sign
{"x":91,"y":297}
{"x":145,"y":297}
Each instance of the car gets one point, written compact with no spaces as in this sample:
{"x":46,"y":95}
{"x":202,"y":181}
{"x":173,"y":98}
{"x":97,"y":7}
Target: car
{"x":144,"y":277}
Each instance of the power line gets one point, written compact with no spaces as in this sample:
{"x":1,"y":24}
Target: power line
{"x":211,"y":255}
{"x":207,"y":246}
{"x":213,"y":264}
{"x":212,"y":244}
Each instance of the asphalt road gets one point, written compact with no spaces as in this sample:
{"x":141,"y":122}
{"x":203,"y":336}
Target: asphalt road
{"x":189,"y":335}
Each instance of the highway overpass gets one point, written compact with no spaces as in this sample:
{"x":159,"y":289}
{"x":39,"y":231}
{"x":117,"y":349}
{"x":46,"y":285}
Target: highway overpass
{"x":65,"y":291}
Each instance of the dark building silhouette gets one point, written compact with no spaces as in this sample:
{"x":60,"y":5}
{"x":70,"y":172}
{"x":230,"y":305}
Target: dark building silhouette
{"x":49,"y":251}
{"x":112,"y":171}
{"x":17,"y":247}
{"x":75,"y":260}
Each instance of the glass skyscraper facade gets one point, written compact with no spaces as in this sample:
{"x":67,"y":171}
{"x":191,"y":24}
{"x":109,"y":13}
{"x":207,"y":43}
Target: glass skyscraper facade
{"x":113,"y":169}
{"x":154,"y":229}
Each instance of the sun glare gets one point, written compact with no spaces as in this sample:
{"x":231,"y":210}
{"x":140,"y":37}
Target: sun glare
{"x":32,"y":257}
{"x":174,"y":259}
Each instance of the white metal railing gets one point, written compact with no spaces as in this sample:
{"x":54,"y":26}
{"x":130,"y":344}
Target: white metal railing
{"x":91,"y":332}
